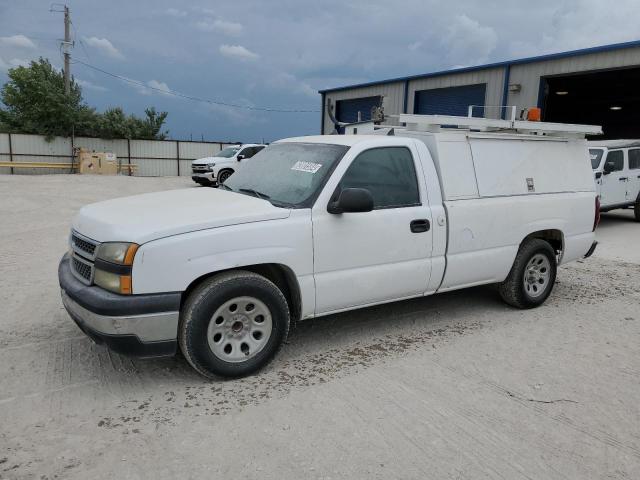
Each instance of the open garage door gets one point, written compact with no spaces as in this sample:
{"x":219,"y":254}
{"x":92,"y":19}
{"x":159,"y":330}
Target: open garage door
{"x":347,"y":110}
{"x":610,"y":99}
{"x":450,"y":100}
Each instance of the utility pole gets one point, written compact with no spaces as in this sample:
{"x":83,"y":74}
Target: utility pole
{"x":67,"y":48}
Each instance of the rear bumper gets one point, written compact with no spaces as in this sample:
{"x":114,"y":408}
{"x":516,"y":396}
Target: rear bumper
{"x":591,"y":250}
{"x":138,"y":325}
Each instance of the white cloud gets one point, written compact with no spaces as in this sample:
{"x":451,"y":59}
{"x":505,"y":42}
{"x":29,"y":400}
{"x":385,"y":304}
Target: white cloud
{"x":19,"y":41}
{"x":238,"y":52}
{"x":157,"y":85}
{"x":148,"y":88}
{"x":283,"y":81}
{"x":15,"y":62}
{"x":469,"y":43}
{"x":174,"y":12}
{"x":221,"y":26}
{"x":104,"y":46}
{"x":90,"y":85}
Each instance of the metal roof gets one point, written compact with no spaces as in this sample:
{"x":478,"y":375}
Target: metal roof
{"x":508,"y":63}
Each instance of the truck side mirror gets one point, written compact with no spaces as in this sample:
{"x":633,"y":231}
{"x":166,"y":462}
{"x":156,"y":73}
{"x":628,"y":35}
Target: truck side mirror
{"x":608,"y":168}
{"x":352,"y":200}
{"x":240,"y":157}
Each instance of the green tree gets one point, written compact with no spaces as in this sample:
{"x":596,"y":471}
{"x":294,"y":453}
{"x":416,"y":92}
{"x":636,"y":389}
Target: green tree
{"x":35,"y":102}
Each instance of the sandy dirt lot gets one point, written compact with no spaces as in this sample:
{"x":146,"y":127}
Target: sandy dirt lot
{"x":456,"y":386}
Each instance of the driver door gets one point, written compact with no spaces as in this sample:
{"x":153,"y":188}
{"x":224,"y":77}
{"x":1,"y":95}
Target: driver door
{"x":613,"y":190}
{"x":372,"y":257}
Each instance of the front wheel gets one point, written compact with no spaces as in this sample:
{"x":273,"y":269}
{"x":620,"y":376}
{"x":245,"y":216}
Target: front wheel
{"x":532,"y":275}
{"x":223,"y":175}
{"x":233,"y":324}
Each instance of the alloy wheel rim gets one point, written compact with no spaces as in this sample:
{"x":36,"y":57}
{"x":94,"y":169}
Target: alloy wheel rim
{"x":537,"y":275}
{"x":239,"y":329}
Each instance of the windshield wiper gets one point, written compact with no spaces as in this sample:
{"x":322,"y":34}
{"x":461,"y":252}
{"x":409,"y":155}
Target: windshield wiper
{"x":255,"y":193}
{"x":224,"y":186}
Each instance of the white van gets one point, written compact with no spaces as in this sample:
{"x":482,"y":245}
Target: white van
{"x":326,"y":224}
{"x":616,"y":167}
{"x":216,"y":169}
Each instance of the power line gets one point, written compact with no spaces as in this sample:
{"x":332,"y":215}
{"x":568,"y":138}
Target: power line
{"x":192,"y":97}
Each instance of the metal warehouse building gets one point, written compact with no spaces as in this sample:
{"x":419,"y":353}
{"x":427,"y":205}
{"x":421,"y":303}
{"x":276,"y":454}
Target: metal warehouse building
{"x":598,"y":86}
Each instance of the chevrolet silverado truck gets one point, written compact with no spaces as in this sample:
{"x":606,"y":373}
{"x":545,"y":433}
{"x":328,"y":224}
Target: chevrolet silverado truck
{"x":326,"y":224}
{"x":211,"y":171}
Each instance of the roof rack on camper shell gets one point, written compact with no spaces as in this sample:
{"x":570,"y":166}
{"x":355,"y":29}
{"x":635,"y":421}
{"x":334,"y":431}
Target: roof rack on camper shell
{"x":435,"y":123}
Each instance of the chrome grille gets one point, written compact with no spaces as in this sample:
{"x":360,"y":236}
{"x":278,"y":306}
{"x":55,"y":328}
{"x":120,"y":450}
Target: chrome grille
{"x":83,"y":246}
{"x":83,"y":252}
{"x":82,"y":269}
{"x":200,"y":168}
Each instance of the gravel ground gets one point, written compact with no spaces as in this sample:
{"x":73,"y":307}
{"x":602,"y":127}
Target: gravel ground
{"x":454,"y":386}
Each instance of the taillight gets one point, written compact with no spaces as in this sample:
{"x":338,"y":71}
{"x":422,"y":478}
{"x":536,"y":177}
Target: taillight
{"x":596,"y":219}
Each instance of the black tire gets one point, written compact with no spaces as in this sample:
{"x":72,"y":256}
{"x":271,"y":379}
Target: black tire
{"x":223,"y":175}
{"x":197,"y":313}
{"x":636,"y":210}
{"x":514,"y":289}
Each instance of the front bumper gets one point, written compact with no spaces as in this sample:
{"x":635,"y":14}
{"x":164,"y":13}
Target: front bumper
{"x":138,"y":325}
{"x":208,"y":177}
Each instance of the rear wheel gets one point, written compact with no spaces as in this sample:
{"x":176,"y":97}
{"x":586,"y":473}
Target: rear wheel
{"x":636,"y":210}
{"x":233,"y":324}
{"x":532,"y":275}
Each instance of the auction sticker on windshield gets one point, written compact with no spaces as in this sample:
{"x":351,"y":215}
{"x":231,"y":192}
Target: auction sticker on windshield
{"x":309,"y":167}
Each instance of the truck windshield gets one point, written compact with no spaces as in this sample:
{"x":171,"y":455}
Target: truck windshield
{"x":227,"y":152}
{"x":596,"y":156}
{"x":288,"y":174}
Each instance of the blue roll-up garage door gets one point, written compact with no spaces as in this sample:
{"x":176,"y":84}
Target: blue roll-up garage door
{"x":347,"y":110}
{"x":451,"y":100}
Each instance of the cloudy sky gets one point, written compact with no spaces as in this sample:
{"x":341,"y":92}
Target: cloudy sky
{"x":278,"y":53}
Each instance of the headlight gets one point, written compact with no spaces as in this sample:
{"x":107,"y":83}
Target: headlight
{"x":117,"y":252}
{"x":211,"y":165}
{"x":113,"y":266}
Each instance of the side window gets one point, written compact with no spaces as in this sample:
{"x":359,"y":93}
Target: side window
{"x":258,"y":149}
{"x":247,"y":152}
{"x":617,"y":158}
{"x":634,"y":159}
{"x":388,"y":173}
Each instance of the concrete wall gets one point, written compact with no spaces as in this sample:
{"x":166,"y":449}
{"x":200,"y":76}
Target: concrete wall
{"x":153,"y":157}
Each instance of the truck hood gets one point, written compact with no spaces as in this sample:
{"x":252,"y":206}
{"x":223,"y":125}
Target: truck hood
{"x":151,"y":216}
{"x":207,"y":160}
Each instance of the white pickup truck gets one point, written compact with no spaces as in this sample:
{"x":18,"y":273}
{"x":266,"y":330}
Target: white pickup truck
{"x":210,"y":171}
{"x":325,"y":224}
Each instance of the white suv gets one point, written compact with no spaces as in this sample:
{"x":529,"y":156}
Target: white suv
{"x":216,"y":169}
{"x":616,"y":166}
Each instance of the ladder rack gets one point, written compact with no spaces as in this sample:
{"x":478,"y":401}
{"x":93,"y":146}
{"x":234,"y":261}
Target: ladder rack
{"x":433,"y":123}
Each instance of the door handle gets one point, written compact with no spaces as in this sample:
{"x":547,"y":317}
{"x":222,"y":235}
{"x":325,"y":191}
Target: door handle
{"x":420,"y":226}
{"x":622,"y":179}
